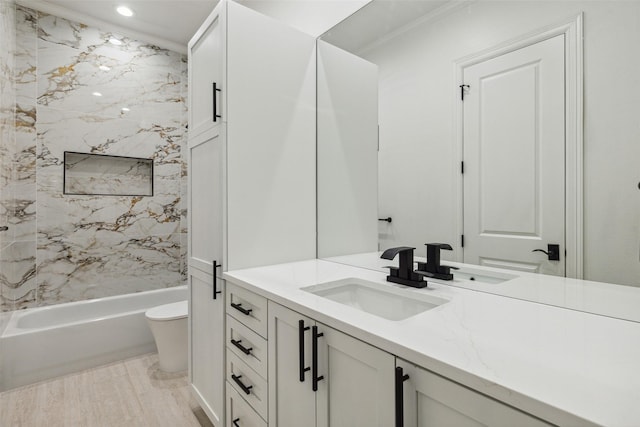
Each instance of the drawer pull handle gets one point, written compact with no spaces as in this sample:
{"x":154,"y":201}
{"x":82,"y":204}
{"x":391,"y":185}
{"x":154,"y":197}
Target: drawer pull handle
{"x":215,"y":281}
{"x":241,"y":309}
{"x":235,"y":422}
{"x":314,"y":358}
{"x":244,"y":388}
{"x":215,"y":102}
{"x":400,"y":378}
{"x":242,"y":348}
{"x":301,"y":329}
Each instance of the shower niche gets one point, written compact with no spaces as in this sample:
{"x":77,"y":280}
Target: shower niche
{"x":107,"y":175}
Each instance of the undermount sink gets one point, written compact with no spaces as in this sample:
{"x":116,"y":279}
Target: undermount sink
{"x":481,"y":276}
{"x":386,"y":301}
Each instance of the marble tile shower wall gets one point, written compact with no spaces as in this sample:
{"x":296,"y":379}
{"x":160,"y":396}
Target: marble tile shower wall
{"x":72,"y":248}
{"x":7,"y":133}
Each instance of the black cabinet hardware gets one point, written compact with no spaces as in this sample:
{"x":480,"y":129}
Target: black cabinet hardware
{"x":400,"y":378}
{"x":216,"y":116}
{"x":388,"y":219}
{"x":242,"y":348}
{"x":314,"y":358}
{"x":552,"y":252}
{"x":241,"y":309}
{"x":235,"y":422}
{"x":4,"y":228}
{"x":244,"y":388}
{"x":215,"y":279}
{"x":301,"y":329}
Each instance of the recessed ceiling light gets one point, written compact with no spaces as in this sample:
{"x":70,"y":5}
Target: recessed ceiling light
{"x":124,"y":11}
{"x":125,"y":109}
{"x":104,"y":68}
{"x":115,"y":41}
{"x":96,"y":94}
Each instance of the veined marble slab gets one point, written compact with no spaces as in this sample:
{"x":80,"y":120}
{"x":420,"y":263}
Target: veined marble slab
{"x":75,"y":62}
{"x":87,"y":246}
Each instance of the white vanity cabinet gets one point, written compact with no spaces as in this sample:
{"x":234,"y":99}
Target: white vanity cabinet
{"x":427,"y":399}
{"x":251,"y":145}
{"x":354,"y":384}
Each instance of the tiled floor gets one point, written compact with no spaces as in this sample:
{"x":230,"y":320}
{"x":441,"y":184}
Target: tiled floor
{"x":133,"y":392}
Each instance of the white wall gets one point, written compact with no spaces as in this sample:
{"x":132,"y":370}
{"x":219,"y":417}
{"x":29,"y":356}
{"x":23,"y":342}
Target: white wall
{"x":417,"y":124}
{"x":313,"y":17}
{"x":271,"y":173}
{"x":347,"y":135}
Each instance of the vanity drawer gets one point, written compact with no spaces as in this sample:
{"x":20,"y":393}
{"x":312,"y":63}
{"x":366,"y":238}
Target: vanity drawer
{"x":239,"y":413}
{"x":248,"y":346}
{"x":251,"y":386}
{"x":248,"y":308}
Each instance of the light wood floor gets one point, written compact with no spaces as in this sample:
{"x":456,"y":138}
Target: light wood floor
{"x":132,"y":392}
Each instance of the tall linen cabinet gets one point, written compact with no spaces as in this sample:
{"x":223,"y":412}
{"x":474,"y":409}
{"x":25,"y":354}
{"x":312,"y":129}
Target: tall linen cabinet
{"x":251,"y":156}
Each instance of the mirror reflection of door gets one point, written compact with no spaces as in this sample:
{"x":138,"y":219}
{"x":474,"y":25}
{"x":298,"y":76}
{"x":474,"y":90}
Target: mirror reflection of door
{"x":514,"y":159}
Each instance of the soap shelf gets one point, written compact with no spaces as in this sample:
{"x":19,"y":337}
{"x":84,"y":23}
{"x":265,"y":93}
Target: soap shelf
{"x":107,"y":175}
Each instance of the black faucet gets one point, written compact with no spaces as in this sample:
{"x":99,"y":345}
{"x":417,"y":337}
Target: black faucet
{"x":432,"y":267}
{"x":403,"y":274}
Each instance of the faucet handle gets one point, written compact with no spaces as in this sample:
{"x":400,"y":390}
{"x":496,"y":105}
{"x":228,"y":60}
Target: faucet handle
{"x":444,"y":246}
{"x":392,"y":252}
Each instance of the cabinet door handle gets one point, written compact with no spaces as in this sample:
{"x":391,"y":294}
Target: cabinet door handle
{"x":242,"y":348}
{"x":314,"y":358}
{"x":235,"y":422}
{"x":215,"y":280}
{"x":400,"y":378}
{"x":301,"y":329}
{"x":244,"y":388}
{"x":241,"y":309}
{"x":216,"y":116}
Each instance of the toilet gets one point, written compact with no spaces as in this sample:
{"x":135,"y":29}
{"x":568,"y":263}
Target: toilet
{"x":168,"y":325}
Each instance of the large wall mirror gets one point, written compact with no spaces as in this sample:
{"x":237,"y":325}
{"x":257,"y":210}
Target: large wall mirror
{"x":548,"y":131}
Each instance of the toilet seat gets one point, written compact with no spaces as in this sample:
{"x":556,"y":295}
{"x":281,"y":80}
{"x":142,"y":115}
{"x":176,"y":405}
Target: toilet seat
{"x":173,"y":311}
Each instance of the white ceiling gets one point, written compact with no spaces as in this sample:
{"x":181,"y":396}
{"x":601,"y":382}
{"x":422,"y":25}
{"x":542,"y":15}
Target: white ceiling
{"x":168,"y":23}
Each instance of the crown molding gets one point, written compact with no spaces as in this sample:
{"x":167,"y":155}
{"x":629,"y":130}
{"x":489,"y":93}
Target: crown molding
{"x":63,"y":12}
{"x":436,"y":14}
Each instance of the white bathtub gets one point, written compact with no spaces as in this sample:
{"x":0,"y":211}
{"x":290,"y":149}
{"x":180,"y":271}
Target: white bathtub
{"x":47,"y":342}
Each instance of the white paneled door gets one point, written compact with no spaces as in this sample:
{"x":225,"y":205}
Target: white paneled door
{"x":514,"y":159}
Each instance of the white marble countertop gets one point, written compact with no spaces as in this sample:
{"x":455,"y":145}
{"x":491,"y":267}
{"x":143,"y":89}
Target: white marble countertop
{"x":566,"y":366}
{"x":607,"y":299}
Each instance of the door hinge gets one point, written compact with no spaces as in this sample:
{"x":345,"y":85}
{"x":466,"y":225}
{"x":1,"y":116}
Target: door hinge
{"x":463,"y":90}
{"x":462,"y":167}
{"x":462,"y":240}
